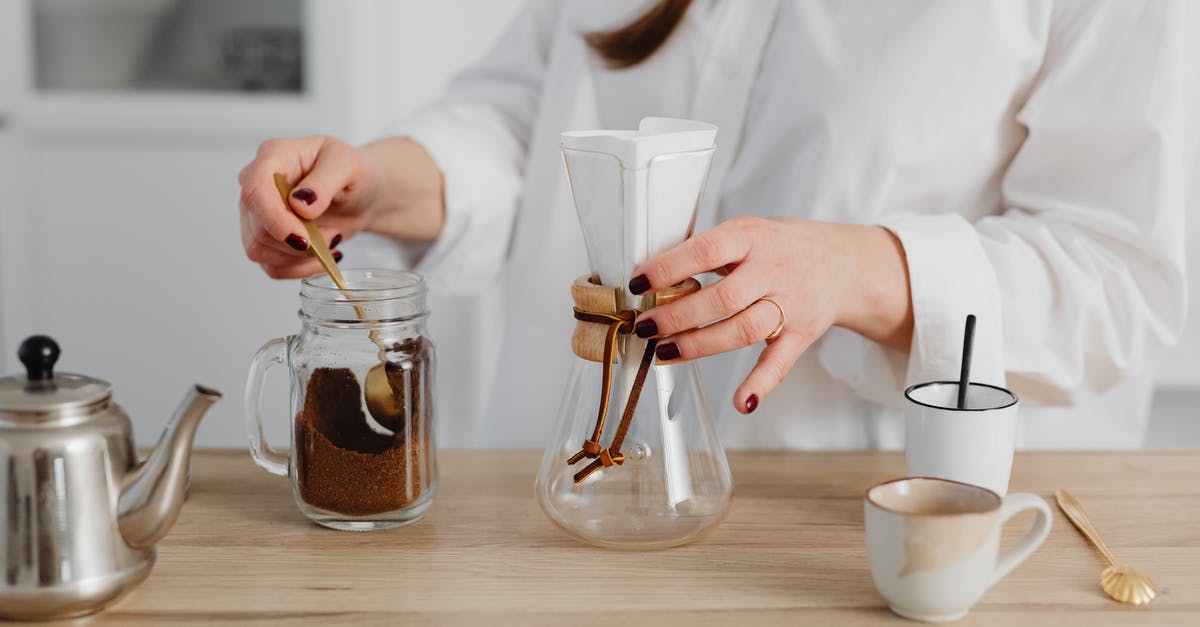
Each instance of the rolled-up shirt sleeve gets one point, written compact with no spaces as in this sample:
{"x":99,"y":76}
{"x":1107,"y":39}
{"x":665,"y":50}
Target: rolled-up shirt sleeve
{"x":1080,"y":280}
{"x":478,"y":134}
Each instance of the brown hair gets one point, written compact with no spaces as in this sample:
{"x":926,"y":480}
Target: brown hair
{"x":634,"y":42}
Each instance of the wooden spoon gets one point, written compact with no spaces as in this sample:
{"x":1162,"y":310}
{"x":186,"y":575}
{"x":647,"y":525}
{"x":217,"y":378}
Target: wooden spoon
{"x":381,"y":401}
{"x":1122,"y":583}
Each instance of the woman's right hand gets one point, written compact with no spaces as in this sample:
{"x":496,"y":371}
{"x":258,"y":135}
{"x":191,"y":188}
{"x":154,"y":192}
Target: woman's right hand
{"x":333,"y":185}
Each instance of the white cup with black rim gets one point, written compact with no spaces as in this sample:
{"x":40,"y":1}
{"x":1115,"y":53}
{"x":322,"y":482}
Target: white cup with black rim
{"x":972,"y":444}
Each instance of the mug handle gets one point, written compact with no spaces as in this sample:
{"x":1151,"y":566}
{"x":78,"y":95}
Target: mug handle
{"x":271,"y":354}
{"x":1017,"y":553}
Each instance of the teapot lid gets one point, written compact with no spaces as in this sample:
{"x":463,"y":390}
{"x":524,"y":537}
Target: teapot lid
{"x":42,"y":393}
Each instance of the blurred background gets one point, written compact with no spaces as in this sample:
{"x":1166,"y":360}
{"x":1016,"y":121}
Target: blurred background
{"x":123,"y":124}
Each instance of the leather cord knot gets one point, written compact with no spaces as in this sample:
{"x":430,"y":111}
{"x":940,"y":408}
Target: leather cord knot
{"x":607,"y":457}
{"x":623,"y":319}
{"x":591,"y":449}
{"x":619,"y":323}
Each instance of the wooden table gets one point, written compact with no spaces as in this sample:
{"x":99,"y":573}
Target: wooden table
{"x":791,"y":551}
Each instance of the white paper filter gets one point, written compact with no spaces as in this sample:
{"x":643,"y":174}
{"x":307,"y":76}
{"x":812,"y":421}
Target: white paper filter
{"x":636,"y":192}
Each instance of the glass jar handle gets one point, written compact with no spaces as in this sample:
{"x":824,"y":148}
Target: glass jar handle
{"x":272,"y":353}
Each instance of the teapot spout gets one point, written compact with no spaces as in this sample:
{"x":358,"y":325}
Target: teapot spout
{"x":152,"y":493}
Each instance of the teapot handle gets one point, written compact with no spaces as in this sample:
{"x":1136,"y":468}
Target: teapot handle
{"x":271,"y":354}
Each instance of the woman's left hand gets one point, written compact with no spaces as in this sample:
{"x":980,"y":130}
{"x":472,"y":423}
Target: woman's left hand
{"x":820,"y":273}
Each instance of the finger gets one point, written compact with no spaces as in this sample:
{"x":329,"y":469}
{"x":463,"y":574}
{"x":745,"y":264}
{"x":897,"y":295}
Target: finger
{"x":262,"y":248}
{"x":270,"y":214}
{"x":247,"y":230}
{"x":296,"y":270}
{"x":261,"y":254}
{"x":258,"y":236}
{"x":728,"y":242}
{"x":279,"y":261}
{"x":748,"y":327}
{"x":332,"y":224}
{"x":722,"y":299}
{"x":336,"y":165}
{"x":773,"y":365}
{"x":259,"y":196}
{"x":255,"y":236}
{"x":726,"y":269}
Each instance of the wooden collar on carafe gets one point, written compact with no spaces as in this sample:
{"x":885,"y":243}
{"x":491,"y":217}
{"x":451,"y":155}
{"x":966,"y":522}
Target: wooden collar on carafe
{"x":595,"y":339}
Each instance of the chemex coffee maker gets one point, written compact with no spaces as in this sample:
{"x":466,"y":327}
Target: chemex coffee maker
{"x":81,"y":514}
{"x":634,"y":462}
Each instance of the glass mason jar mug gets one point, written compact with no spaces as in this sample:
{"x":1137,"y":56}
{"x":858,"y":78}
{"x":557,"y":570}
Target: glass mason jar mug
{"x":355,"y":467}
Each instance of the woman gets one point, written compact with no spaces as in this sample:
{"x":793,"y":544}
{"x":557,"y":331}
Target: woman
{"x":880,"y":174}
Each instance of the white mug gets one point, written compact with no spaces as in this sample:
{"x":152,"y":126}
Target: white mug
{"x":934,"y":544}
{"x":973,"y":445}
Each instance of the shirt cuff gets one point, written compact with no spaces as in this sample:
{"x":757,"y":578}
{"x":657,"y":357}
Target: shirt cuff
{"x":950,"y":276}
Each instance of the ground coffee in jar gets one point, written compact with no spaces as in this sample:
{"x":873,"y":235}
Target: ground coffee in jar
{"x":344,"y":465}
{"x":351,"y":468}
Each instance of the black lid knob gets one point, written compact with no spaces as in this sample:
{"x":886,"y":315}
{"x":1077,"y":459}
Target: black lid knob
{"x":39,"y":354}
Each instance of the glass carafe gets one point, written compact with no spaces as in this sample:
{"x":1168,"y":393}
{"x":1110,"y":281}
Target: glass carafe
{"x":351,"y":469}
{"x":634,"y":461}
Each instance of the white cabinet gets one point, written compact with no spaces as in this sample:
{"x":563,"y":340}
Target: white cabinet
{"x":118,"y":213}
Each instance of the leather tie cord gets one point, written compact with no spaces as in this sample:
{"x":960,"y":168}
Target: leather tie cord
{"x":620,"y":323}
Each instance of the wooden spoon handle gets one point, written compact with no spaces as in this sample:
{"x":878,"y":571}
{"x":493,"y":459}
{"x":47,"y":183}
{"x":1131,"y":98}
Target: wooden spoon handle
{"x":1074,"y":512}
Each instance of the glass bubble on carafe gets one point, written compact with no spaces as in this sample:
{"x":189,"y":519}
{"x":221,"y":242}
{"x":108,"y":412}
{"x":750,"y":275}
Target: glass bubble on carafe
{"x":636,"y":194}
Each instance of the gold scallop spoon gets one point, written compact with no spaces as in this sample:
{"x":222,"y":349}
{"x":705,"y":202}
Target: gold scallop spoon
{"x":381,"y":401}
{"x":1122,"y":583}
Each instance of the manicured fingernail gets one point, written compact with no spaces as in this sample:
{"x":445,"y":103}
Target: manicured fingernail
{"x":639,"y":284}
{"x":305,"y":195}
{"x":337,"y":239}
{"x":646,"y":328}
{"x":751,"y":403}
{"x":667,"y":352}
{"x":297,"y":242}
{"x":337,"y":255}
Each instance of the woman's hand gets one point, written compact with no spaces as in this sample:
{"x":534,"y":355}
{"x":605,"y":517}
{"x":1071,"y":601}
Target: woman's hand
{"x":821,"y":274}
{"x":391,"y":186}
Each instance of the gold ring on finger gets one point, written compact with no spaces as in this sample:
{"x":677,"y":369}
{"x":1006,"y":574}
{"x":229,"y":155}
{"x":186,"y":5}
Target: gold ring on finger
{"x":782,"y":319}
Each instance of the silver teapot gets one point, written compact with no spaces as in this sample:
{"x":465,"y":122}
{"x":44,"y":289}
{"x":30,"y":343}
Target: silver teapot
{"x":81,"y":514}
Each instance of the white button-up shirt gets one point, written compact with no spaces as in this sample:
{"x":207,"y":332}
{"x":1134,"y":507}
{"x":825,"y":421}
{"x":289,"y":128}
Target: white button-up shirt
{"x":1033,"y":157}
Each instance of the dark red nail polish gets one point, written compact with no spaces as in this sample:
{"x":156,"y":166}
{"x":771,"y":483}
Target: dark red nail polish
{"x":305,"y":195}
{"x":337,"y":239}
{"x":639,"y":284}
{"x":337,"y":255}
{"x":751,"y":403}
{"x":297,"y":242}
{"x":667,"y":352}
{"x":646,"y":328}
